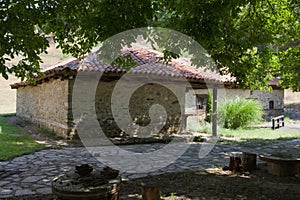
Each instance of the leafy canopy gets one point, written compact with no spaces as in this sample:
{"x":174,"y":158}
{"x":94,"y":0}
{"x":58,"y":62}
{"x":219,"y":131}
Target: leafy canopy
{"x":253,"y":40}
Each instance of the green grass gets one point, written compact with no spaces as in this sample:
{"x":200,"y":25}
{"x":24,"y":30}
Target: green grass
{"x":258,"y":134}
{"x":14,"y":143}
{"x":239,"y":112}
{"x":6,"y":128}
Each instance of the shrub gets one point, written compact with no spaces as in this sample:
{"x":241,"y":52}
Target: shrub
{"x":239,"y":112}
{"x":208,"y":109}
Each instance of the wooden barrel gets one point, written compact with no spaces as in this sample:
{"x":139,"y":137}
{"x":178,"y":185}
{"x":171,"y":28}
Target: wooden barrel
{"x":109,"y":191}
{"x":281,"y":164}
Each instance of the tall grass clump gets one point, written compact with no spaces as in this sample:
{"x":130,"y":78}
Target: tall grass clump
{"x":208,"y":109}
{"x":239,"y":112}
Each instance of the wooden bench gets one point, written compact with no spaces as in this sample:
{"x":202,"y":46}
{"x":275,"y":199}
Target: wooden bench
{"x":281,"y":165}
{"x":277,"y":122}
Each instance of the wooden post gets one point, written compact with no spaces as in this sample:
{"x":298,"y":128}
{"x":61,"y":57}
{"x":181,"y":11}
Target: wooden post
{"x":249,"y":161}
{"x":150,"y":192}
{"x":214,"y":112}
{"x":235,"y":163}
{"x":273,"y":123}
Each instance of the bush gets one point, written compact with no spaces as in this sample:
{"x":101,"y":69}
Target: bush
{"x":239,"y":112}
{"x":208,"y":109}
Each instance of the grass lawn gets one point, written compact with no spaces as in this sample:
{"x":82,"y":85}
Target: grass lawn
{"x":255,"y":134}
{"x":259,"y":134}
{"x":15,"y":143}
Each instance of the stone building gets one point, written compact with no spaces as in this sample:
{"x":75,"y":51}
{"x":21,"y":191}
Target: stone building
{"x":272,"y":102}
{"x":49,"y":102}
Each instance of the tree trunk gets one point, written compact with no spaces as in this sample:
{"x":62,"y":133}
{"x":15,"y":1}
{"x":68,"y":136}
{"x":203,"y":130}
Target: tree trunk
{"x":150,"y":192}
{"x":235,"y":163}
{"x":249,"y":161}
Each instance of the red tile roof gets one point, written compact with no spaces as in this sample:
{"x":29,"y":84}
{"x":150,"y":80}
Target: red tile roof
{"x":147,"y":62}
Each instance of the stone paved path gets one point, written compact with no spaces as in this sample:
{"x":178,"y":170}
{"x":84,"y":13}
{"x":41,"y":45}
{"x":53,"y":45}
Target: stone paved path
{"x":32,"y":174}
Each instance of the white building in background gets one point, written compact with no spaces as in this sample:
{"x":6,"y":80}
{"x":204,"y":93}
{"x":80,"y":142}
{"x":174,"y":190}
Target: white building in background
{"x":272,"y":102}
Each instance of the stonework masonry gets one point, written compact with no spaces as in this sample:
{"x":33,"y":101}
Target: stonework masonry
{"x":276,"y":96}
{"x":265,"y":98}
{"x":49,"y":104}
{"x":138,"y":107}
{"x":45,"y":104}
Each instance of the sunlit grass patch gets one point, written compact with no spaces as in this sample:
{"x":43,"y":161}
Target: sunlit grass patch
{"x":13,"y":142}
{"x":12,"y":146}
{"x":6,"y":128}
{"x":258,"y":133}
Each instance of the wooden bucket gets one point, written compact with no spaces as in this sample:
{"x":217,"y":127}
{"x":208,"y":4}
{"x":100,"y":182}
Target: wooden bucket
{"x":109,"y":191}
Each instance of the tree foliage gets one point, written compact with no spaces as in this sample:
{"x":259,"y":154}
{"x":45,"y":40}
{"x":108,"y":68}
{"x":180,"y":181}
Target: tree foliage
{"x":251,"y":40}
{"x":208,"y":108}
{"x":245,"y":37}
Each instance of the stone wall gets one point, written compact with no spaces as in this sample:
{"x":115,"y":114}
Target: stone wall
{"x":138,"y":108}
{"x":193,"y":115}
{"x":277,"y":96}
{"x":45,"y":104}
{"x":190,"y":103}
{"x":132,"y":116}
{"x":50,"y":105}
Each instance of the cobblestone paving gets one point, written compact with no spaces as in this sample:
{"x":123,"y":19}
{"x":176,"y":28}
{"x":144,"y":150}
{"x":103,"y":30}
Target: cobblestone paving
{"x":32,"y":174}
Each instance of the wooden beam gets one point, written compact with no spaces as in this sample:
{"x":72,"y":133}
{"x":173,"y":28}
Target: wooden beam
{"x":214,"y":112}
